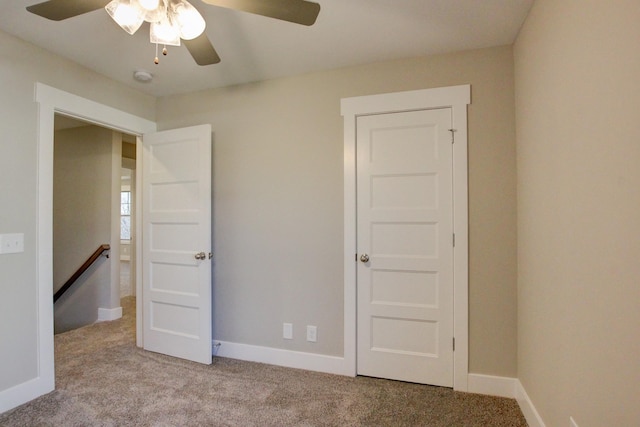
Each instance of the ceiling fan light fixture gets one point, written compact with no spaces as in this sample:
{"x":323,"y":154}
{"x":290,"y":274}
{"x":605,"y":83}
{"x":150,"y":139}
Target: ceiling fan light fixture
{"x":186,"y":18}
{"x":125,"y":14}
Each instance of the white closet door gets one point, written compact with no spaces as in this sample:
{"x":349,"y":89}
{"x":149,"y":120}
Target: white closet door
{"x":405,"y":246}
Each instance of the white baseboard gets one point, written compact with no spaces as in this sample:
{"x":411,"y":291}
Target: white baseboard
{"x":527,"y":408}
{"x":25,"y":392}
{"x":287,"y":358}
{"x":492,"y":385}
{"x":107,"y":314}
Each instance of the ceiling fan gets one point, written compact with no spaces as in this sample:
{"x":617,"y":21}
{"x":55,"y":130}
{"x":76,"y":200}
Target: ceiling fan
{"x":165,"y":14}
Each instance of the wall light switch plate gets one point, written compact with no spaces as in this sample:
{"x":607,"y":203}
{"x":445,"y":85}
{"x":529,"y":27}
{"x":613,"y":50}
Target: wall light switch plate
{"x":11,"y":243}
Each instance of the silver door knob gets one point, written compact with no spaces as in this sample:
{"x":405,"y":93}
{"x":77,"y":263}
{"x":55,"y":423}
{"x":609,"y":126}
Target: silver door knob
{"x":364,"y":258}
{"x":201,"y":255}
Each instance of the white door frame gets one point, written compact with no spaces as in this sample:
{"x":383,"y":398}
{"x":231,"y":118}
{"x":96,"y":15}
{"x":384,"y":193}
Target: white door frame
{"x":457,"y":98}
{"x":51,"y":101}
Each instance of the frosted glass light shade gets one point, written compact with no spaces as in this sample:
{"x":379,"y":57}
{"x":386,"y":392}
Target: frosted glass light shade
{"x":126,"y":14}
{"x":149,"y":4}
{"x":154,"y":14}
{"x":186,"y":18}
{"x":164,"y":33}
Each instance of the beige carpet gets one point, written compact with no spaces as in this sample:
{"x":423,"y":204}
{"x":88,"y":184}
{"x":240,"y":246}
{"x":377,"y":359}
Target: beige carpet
{"x":102,"y":379}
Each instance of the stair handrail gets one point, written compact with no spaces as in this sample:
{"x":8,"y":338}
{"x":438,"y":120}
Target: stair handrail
{"x":84,"y":267}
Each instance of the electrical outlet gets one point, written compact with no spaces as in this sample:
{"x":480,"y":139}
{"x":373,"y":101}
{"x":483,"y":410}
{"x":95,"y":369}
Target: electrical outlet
{"x":312,"y":333}
{"x":11,"y":243}
{"x":572,"y":422}
{"x":287,"y":331}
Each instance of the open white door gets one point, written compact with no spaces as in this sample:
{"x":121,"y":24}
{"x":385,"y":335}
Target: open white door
{"x":176,"y":239}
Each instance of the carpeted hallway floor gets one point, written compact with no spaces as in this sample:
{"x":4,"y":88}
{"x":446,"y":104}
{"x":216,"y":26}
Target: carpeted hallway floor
{"x":103,"y":379}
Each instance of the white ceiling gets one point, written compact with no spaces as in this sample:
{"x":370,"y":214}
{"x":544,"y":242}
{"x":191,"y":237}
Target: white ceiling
{"x":254,"y":48}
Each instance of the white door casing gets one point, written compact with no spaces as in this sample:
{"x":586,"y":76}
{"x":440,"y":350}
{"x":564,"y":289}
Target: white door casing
{"x":405,"y":247}
{"x":51,"y":101}
{"x":176,"y":241}
{"x":456,"y":98}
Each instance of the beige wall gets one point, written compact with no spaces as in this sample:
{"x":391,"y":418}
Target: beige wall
{"x":21,"y":65}
{"x":81,"y":222}
{"x":577,"y":65}
{"x":278,"y":210}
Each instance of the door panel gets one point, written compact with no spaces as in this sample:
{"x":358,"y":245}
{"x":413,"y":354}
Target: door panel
{"x":177,"y":226}
{"x":404,"y":225}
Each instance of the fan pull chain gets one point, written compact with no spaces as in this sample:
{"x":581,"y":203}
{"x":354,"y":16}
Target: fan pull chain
{"x":156,"y":60}
{"x":164,"y":50}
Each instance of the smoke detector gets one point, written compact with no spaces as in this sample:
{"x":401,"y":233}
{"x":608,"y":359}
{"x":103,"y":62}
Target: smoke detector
{"x":142,"y":76}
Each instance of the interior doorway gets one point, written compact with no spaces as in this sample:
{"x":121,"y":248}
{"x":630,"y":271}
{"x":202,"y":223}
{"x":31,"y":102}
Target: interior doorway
{"x":50,"y":101}
{"x":94,"y":169}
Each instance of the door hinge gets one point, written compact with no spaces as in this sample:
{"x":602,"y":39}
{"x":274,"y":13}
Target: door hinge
{"x":356,"y":257}
{"x":453,"y":131}
{"x":454,"y":343}
{"x":454,"y":240}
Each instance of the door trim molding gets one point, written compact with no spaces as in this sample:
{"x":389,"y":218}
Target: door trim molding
{"x":51,"y":101}
{"x":457,"y":98}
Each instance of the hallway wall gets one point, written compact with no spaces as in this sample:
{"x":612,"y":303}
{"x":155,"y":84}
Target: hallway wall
{"x":81,"y":222}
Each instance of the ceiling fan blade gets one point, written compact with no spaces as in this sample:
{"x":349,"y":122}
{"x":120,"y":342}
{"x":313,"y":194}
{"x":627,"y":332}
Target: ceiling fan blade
{"x":57,"y":10}
{"x":202,"y":50}
{"x":296,"y":11}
